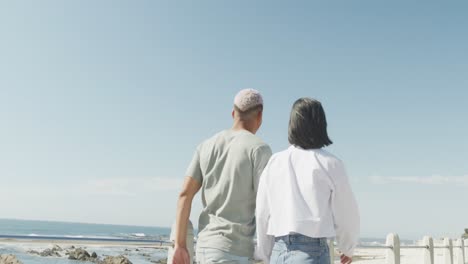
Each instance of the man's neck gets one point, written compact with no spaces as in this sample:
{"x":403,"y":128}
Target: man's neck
{"x":242,"y":125}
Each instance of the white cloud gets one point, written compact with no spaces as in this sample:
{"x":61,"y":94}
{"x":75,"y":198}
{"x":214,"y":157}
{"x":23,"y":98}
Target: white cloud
{"x":118,"y":186}
{"x":431,"y":180}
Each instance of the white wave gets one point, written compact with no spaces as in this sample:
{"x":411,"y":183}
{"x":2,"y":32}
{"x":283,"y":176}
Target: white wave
{"x":74,"y":236}
{"x":91,"y":236}
{"x":372,"y":243}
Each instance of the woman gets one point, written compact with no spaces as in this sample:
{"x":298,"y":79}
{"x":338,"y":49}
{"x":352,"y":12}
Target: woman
{"x":304,"y":196}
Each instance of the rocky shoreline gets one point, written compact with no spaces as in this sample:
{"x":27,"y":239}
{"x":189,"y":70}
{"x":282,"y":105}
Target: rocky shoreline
{"x":78,"y":254}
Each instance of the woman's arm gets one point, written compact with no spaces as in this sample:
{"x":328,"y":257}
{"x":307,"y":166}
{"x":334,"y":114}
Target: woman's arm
{"x":345,"y":212}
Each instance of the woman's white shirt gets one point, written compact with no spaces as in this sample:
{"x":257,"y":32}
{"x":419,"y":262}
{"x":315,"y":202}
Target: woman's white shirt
{"x":306,"y":192}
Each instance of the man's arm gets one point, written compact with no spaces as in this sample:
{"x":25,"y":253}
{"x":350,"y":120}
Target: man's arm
{"x":184,"y":206}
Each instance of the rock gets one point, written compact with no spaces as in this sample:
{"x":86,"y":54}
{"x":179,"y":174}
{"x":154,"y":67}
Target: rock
{"x":50,"y":253}
{"x":94,"y":255}
{"x":116,"y":260}
{"x":53,"y":252}
{"x":79,"y":254}
{"x":33,"y":252}
{"x":57,"y":248}
{"x":9,"y":259}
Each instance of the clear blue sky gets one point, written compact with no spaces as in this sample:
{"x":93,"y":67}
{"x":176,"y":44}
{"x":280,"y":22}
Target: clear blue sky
{"x":103,"y":102}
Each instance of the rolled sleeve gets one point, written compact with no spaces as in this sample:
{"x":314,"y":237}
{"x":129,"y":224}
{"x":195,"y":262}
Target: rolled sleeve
{"x":194,"y":169}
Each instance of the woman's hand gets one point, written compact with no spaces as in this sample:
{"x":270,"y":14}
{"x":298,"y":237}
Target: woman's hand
{"x":345,"y":259}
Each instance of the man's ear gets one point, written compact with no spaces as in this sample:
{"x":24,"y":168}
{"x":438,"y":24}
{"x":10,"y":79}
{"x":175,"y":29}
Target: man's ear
{"x":260,"y":117}
{"x":233,"y":113}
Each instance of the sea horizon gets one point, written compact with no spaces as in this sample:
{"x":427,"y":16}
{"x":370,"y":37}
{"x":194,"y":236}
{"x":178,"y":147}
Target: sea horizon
{"x":37,"y":229}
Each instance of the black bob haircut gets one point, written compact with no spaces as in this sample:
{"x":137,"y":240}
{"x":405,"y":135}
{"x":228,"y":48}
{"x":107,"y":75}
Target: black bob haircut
{"x":308,"y":125}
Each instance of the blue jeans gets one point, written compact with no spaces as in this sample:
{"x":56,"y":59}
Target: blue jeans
{"x":212,"y":255}
{"x":297,"y":248}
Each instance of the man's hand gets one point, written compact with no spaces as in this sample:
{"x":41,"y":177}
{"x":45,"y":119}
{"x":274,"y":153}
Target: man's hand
{"x":181,"y":256}
{"x":346,"y":259}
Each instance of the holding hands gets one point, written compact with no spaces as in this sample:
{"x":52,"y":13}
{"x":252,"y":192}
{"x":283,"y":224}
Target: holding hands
{"x":345,"y":259}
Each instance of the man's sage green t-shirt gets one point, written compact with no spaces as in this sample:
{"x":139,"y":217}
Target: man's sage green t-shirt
{"x":229,"y":165}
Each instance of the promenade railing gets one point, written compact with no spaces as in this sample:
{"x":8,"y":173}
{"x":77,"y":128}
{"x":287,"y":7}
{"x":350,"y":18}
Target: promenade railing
{"x":392,"y":247}
{"x":393,"y":256}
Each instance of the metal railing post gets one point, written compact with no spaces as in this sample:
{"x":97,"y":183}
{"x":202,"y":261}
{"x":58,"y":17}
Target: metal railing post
{"x":393,"y":253}
{"x":429,"y":251}
{"x":465,"y":249}
{"x":460,"y":251}
{"x":448,"y":251}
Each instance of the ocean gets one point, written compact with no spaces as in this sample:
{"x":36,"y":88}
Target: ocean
{"x":33,"y":231}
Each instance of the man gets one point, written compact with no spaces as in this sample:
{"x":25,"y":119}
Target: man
{"x":227,"y":168}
